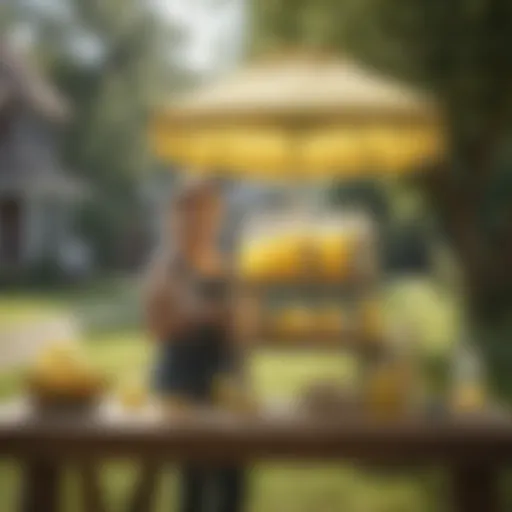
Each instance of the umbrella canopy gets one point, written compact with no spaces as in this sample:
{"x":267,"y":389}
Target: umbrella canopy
{"x":303,"y":116}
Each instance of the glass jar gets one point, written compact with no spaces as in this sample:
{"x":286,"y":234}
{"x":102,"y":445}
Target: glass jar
{"x":468,"y":393}
{"x":393,"y":381}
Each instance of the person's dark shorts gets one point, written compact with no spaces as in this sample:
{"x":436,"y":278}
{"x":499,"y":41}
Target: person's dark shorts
{"x":188,"y":367}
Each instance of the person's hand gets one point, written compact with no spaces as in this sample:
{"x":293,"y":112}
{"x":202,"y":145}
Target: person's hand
{"x":212,"y":311}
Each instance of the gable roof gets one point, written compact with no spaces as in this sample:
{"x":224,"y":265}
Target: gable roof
{"x":20,"y":82}
{"x":26,"y":164}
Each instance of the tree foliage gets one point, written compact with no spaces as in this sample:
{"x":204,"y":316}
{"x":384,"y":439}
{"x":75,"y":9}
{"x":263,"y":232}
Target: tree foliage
{"x":111,"y":59}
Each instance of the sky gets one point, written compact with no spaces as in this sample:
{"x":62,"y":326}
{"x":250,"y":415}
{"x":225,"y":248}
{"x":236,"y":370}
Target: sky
{"x":216,"y":28}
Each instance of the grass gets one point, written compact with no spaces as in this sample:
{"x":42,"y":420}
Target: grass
{"x":15,"y":311}
{"x":99,"y":307}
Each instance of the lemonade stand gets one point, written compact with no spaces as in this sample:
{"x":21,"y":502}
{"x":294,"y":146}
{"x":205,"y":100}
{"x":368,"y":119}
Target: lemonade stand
{"x":311,"y":277}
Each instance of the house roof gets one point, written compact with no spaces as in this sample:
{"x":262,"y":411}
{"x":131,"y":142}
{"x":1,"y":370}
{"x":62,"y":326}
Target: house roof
{"x":27,"y":164}
{"x":21,"y":82}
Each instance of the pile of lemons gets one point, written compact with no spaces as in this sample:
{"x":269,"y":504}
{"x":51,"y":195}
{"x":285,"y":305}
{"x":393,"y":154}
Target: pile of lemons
{"x":62,"y":370}
{"x":301,"y":320}
{"x":291,"y":256}
{"x":368,"y":321}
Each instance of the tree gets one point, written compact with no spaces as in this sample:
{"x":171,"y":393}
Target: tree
{"x":462,"y":51}
{"x":111,"y":59}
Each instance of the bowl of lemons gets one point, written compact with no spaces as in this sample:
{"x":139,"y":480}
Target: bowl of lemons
{"x":62,"y":379}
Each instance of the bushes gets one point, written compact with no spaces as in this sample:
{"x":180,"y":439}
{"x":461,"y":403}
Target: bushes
{"x":43,"y":274}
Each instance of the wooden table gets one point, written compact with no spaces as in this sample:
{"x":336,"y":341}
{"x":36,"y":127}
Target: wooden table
{"x":473,"y":450}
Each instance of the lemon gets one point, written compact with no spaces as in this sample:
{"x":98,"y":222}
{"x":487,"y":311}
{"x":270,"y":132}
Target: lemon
{"x":132,"y":394}
{"x":336,"y":254}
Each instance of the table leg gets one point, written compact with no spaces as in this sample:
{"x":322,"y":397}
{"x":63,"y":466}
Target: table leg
{"x":90,"y":487}
{"x":40,"y":486}
{"x":475,"y":489}
{"x":145,"y":489}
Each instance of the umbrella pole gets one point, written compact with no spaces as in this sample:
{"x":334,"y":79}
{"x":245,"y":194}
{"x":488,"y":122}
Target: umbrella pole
{"x":307,"y":193}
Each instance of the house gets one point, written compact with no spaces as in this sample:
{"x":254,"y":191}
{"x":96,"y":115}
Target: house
{"x":37,"y":197}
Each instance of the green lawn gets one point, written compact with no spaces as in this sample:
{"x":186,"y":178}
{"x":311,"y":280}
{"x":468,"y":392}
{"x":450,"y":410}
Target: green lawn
{"x":279,"y":488}
{"x":107,"y":305}
{"x":18,"y":310}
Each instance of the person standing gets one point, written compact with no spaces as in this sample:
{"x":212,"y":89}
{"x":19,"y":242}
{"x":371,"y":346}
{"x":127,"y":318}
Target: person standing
{"x":188,"y":312}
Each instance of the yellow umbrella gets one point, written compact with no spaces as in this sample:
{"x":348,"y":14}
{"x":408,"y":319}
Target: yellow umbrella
{"x":303,"y":116}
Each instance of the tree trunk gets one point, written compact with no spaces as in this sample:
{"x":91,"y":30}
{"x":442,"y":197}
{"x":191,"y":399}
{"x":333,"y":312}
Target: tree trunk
{"x":458,"y":197}
{"x":494,"y":341}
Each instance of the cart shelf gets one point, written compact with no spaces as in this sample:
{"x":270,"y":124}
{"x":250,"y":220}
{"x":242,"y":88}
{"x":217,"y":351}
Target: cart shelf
{"x":308,"y":286}
{"x":312,"y":342}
